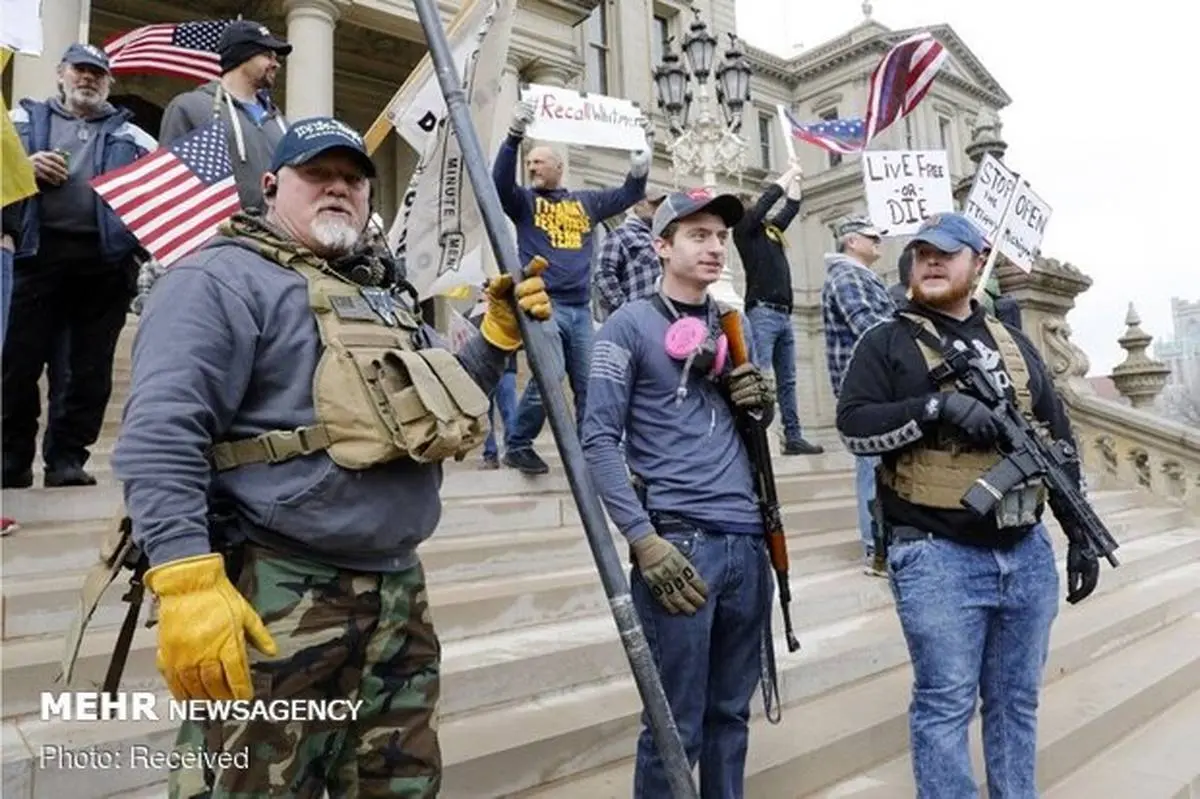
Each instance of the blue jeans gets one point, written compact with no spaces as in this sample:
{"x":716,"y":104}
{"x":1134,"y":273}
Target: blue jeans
{"x":6,"y":286}
{"x":864,"y":468}
{"x":977,"y":623}
{"x":570,"y":329}
{"x":709,"y":663}
{"x":775,"y":350}
{"x":504,"y":397}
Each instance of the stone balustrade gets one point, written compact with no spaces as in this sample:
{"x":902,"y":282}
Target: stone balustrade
{"x":1122,"y":445}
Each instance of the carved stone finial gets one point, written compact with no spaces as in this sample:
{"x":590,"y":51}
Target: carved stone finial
{"x":867,"y":9}
{"x":1140,"y":378}
{"x":986,"y":137}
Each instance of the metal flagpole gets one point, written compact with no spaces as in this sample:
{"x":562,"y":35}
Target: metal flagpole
{"x":540,"y":357}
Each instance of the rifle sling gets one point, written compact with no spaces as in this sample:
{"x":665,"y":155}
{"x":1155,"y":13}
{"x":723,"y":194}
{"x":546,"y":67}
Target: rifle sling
{"x":137,"y":589}
{"x":943,"y":372}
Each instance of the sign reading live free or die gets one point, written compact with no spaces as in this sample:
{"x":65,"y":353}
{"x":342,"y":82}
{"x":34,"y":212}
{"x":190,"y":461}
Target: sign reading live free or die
{"x":905,"y":187}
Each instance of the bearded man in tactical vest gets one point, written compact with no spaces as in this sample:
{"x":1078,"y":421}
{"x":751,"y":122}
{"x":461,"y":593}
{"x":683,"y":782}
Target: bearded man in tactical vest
{"x":976,"y":596}
{"x":281,"y":457}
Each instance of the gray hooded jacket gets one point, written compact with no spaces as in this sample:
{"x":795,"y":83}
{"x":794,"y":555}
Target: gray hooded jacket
{"x":251,"y":144}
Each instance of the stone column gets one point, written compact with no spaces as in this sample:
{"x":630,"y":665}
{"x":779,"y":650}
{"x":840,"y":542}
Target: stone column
{"x":37,"y":76}
{"x":1045,"y":296}
{"x":310,"y":25}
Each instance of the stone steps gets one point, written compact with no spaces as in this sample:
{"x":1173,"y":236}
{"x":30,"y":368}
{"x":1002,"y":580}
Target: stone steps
{"x":1128,"y":655}
{"x":825,"y":582}
{"x":1158,"y":761}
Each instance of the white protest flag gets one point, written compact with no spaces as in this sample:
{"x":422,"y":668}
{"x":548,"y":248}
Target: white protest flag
{"x":439,"y":231}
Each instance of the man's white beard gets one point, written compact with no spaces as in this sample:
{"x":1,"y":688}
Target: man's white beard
{"x":86,"y":99}
{"x":334,"y":234}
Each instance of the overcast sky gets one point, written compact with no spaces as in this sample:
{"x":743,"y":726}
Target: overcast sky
{"x":1097,"y":125}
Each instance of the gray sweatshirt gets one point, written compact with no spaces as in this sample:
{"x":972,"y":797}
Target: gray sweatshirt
{"x":226,"y":349}
{"x":690,"y":455}
{"x":251,"y":143}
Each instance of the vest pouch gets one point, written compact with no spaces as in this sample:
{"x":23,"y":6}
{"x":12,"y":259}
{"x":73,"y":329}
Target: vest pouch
{"x":427,"y":400}
{"x":351,"y":401}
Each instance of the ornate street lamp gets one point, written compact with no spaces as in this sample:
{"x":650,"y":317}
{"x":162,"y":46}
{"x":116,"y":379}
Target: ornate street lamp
{"x":712,"y":142}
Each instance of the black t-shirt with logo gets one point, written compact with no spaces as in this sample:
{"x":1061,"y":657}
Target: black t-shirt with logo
{"x":882,"y":407}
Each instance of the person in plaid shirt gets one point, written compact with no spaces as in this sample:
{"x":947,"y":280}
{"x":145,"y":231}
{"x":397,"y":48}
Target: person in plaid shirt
{"x":628,"y":267}
{"x":853,"y":300}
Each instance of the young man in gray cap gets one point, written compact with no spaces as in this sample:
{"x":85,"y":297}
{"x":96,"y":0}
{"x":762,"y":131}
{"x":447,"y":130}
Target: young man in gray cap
{"x":250,"y":56}
{"x":702,"y":582}
{"x":278,"y":378}
{"x":73,"y":271}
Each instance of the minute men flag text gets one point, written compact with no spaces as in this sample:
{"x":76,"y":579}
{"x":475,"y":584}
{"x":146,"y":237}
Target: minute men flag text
{"x":174,"y":199}
{"x":184,"y":50}
{"x":438,"y":231}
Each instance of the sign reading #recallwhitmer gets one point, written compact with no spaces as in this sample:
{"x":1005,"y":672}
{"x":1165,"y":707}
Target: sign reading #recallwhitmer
{"x":594,"y":120}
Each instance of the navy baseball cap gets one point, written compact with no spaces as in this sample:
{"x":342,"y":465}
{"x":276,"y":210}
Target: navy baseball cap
{"x":950,"y":233}
{"x":685,"y":203}
{"x":249,"y":32}
{"x":87,"y":55}
{"x":308,"y":138}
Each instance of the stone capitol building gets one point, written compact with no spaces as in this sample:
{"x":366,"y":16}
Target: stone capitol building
{"x":537,"y":700}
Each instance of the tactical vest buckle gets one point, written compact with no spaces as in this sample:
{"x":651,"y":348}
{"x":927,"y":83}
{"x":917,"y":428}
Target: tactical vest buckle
{"x":283,"y":445}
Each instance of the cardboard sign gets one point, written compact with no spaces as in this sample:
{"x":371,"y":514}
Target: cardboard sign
{"x":22,"y":29}
{"x":990,"y":193}
{"x":593,"y":120}
{"x":905,"y":187}
{"x":998,"y":190}
{"x":1027,"y":219}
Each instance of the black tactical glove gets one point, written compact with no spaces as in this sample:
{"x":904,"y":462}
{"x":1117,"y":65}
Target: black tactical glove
{"x":1083,"y":572}
{"x":966,"y":413}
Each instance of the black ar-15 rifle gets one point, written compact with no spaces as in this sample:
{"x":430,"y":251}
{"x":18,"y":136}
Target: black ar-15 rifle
{"x":1029,"y":456}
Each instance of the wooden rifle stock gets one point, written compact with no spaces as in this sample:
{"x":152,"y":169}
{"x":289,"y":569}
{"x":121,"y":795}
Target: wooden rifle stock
{"x":754,"y":433}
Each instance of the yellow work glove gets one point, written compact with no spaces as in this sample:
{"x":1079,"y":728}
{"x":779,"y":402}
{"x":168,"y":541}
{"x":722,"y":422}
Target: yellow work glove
{"x":672,"y":578}
{"x":203,"y":623}
{"x":499,"y":326}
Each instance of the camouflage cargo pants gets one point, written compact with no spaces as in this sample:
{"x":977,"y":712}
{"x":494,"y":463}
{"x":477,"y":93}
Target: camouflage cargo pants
{"x":341,"y":635}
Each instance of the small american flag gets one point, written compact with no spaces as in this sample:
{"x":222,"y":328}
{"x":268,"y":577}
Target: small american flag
{"x":901,"y":80}
{"x":834,"y":135}
{"x":184,"y":50}
{"x":174,"y":198}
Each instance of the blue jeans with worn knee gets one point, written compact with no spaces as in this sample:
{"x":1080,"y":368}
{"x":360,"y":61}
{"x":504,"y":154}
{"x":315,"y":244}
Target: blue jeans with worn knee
{"x":775,"y":351}
{"x":709,"y":663}
{"x":864,"y":473}
{"x":571,"y":331}
{"x":977,"y":624}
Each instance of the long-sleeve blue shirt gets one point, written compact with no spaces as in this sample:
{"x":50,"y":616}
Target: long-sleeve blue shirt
{"x":689,"y":455}
{"x":557,"y":224}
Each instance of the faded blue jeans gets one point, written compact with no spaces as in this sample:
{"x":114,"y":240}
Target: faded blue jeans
{"x":775,"y":351}
{"x":709,"y":663}
{"x":977,"y":623}
{"x":570,"y":329}
{"x":864,"y":472}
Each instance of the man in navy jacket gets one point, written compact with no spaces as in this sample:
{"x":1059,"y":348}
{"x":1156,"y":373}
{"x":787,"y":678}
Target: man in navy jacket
{"x":73,"y":271}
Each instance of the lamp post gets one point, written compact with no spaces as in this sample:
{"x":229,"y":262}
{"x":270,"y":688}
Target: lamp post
{"x":711,"y":143}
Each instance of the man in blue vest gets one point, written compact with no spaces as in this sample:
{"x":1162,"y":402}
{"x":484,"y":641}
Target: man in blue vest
{"x":73,"y":272}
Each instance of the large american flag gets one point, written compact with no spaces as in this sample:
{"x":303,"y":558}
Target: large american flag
{"x":901,"y":80}
{"x":174,"y":198}
{"x":183,"y":49}
{"x":834,"y":135}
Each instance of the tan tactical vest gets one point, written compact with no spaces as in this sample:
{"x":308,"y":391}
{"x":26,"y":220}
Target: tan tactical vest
{"x":938,"y":476}
{"x":376,"y":396}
